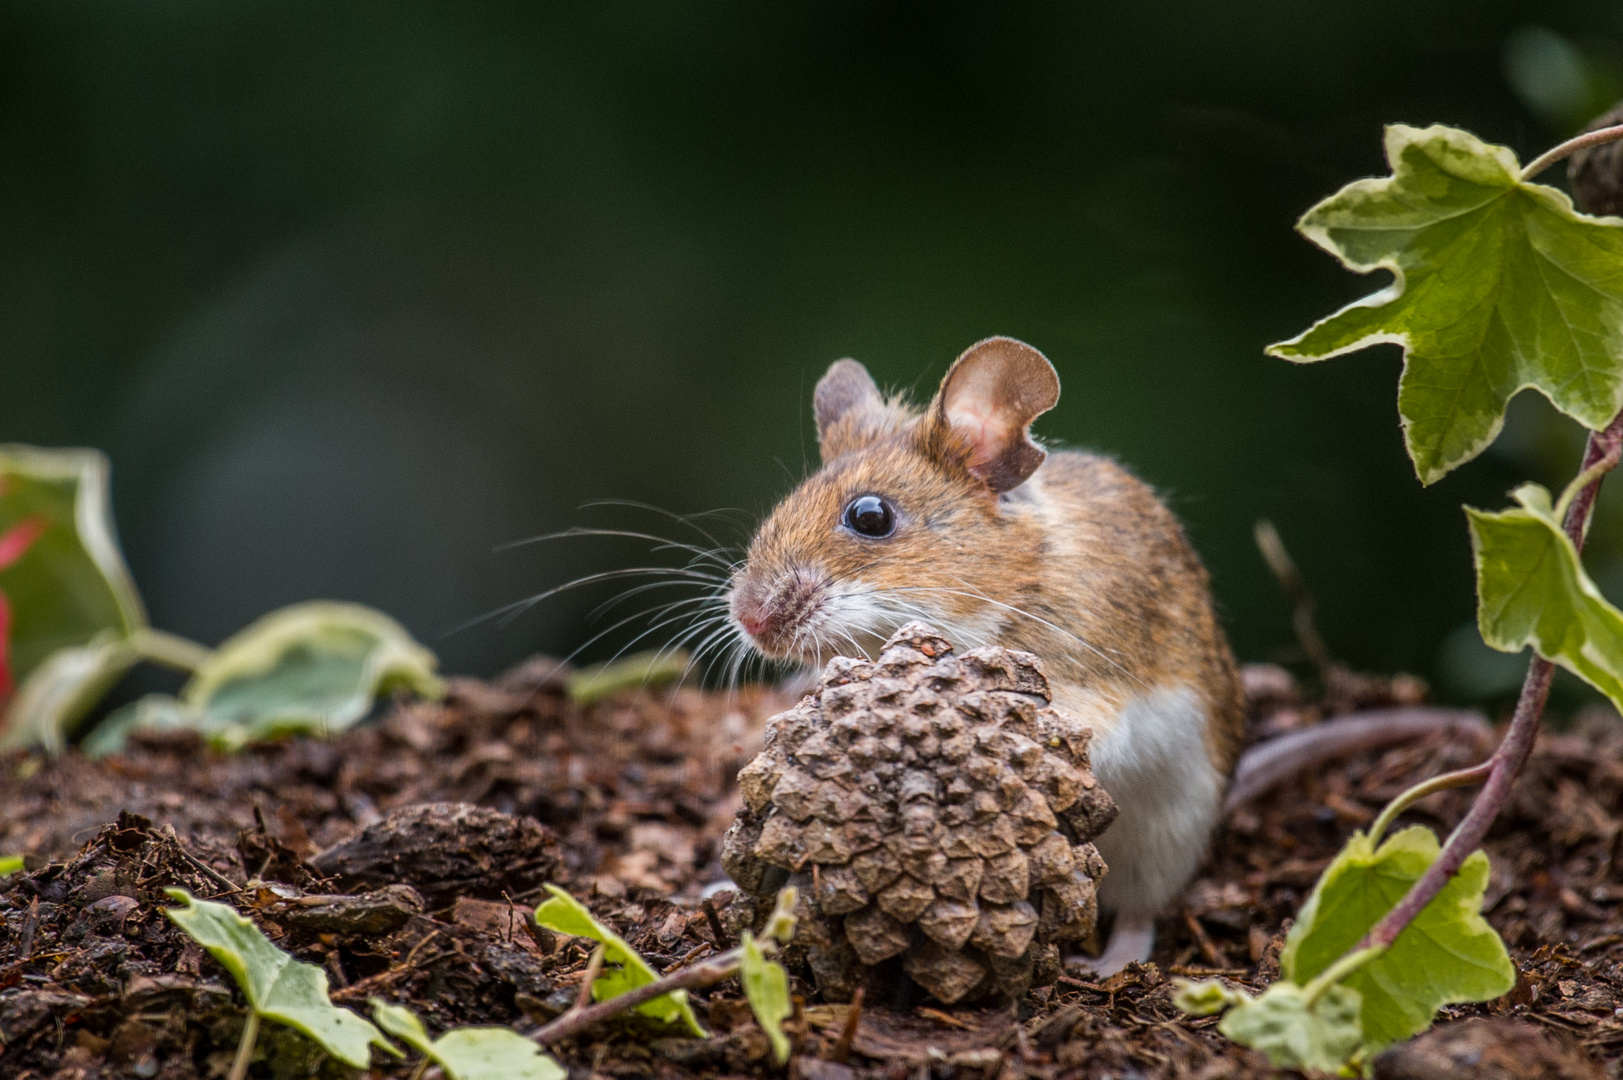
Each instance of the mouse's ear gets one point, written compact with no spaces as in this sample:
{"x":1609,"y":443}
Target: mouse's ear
{"x":848,"y":406}
{"x":982,"y":415}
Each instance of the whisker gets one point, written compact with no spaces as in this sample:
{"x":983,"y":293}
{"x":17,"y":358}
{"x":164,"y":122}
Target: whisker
{"x":664,"y":543}
{"x":1100,"y":653}
{"x":685,"y":519}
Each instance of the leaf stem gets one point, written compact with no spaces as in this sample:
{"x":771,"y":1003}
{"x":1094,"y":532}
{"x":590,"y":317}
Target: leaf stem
{"x":245,"y":1048}
{"x":170,"y":650}
{"x":1458,"y":778}
{"x":1570,"y":147}
{"x":1339,"y":970}
{"x":1507,"y":761}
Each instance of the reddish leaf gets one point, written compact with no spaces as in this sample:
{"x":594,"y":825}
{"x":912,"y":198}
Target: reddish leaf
{"x":19,"y":538}
{"x":13,"y":544}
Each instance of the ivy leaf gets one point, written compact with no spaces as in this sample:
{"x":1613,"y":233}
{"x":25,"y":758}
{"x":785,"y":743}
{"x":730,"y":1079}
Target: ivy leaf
{"x":566,"y":915}
{"x":1532,"y":590}
{"x":277,"y":987}
{"x":766,"y":988}
{"x":63,"y":689}
{"x":1294,"y":1034}
{"x":470,"y":1053}
{"x":1206,"y":997}
{"x":1448,"y":954}
{"x":10,"y":864}
{"x":63,"y":582}
{"x":1499,"y":285}
{"x":313,"y":668}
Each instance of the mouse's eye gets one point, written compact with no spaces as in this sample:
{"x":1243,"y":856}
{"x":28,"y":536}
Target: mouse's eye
{"x":869,"y":515}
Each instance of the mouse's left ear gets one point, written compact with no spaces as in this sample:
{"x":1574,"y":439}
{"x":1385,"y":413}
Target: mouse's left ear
{"x":983,"y":412}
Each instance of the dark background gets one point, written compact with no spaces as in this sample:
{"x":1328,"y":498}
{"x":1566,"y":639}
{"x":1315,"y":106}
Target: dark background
{"x":353,"y":293}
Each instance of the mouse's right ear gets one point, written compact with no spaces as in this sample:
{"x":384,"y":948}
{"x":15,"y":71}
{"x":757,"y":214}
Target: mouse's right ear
{"x":847,"y":404}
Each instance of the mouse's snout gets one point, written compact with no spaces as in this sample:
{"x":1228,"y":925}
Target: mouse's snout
{"x":774,"y":613}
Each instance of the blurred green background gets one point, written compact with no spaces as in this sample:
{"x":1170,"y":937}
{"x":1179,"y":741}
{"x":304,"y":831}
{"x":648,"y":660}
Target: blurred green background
{"x":355,"y":293}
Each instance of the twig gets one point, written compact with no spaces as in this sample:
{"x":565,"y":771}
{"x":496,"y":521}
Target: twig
{"x":25,"y":948}
{"x":577,"y":1019}
{"x":1301,"y":601}
{"x":593,"y":967}
{"x":1570,"y":147}
{"x":199,"y":865}
{"x":717,"y":931}
{"x":848,"y":1030}
{"x":1507,"y":762}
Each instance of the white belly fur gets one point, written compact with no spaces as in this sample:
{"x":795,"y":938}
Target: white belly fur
{"x":1152,"y":759}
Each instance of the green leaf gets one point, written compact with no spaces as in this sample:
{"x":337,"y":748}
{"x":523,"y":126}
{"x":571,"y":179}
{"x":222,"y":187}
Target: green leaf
{"x":593,"y":684}
{"x":63,"y":689}
{"x":277,"y":987}
{"x":1499,"y":285}
{"x":566,"y":915}
{"x":1532,"y":590}
{"x":1294,"y":1034}
{"x":310,"y":669}
{"x":470,"y":1053}
{"x":10,"y":864}
{"x":1448,"y":953}
{"x":1205,"y":998}
{"x":63,"y":582}
{"x":766,"y":987}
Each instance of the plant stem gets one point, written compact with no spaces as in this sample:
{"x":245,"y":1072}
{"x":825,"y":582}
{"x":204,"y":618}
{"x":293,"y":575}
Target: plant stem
{"x":245,"y":1048}
{"x":1507,"y":761}
{"x":170,"y":650}
{"x":1458,"y":778}
{"x":1339,"y":970}
{"x":711,"y":971}
{"x":1570,"y":147}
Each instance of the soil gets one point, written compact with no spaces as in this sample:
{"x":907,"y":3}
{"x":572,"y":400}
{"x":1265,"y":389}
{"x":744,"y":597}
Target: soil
{"x":430,"y":832}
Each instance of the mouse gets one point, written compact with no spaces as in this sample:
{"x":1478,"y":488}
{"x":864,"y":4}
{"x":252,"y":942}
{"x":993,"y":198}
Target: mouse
{"x":956,"y":515}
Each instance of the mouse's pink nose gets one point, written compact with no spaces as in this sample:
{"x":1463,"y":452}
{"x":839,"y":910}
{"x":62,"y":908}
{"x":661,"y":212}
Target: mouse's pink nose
{"x":754,"y":622}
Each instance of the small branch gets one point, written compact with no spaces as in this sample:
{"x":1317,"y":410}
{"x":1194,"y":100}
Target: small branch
{"x":717,"y":931}
{"x":1507,"y":761}
{"x":1301,"y":601}
{"x":577,"y":1019}
{"x":245,"y":1048}
{"x":848,"y":1030}
{"x":593,"y":967}
{"x":1570,"y":147}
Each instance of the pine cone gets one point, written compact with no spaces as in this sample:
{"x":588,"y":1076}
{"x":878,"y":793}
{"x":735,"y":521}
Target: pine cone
{"x":931,"y":808}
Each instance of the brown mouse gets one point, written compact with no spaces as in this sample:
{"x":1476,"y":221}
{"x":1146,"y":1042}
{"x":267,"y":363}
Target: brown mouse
{"x":954,"y":515}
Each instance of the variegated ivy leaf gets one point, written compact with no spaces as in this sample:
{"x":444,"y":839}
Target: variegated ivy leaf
{"x":1448,"y":953}
{"x":1499,"y":285}
{"x":1532,"y":590}
{"x":1294,"y":1032}
{"x":470,"y":1053}
{"x":766,"y":988}
{"x":623,"y":968}
{"x":278,"y":987}
{"x":314,"y":668}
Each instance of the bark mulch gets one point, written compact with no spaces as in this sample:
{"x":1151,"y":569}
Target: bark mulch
{"x":405,"y":856}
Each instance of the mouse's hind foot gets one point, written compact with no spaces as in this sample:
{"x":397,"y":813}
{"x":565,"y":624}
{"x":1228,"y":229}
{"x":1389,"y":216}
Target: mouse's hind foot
{"x":1131,"y":940}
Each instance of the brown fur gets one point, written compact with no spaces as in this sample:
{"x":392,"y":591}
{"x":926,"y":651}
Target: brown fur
{"x":1084,"y":549}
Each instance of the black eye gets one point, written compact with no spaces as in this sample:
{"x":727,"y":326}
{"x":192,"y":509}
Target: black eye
{"x":869,"y":515}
